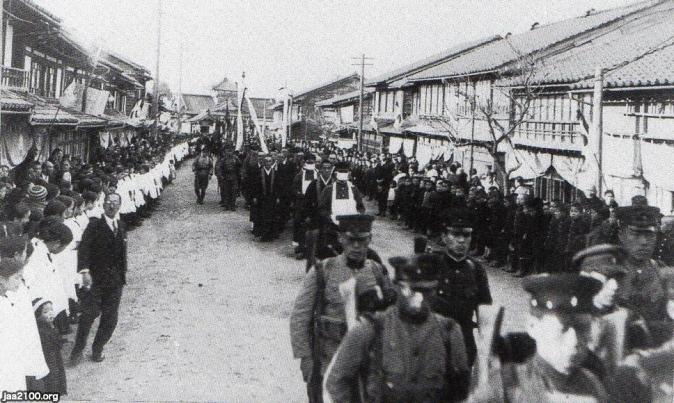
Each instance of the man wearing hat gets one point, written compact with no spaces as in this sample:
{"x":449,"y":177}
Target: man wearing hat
{"x":301,"y":182}
{"x":228,"y":172}
{"x":642,"y":289}
{"x":406,"y":353}
{"x":340,"y":197}
{"x":203,"y":171}
{"x":265,"y":200}
{"x":312,"y":217}
{"x":463,"y":281}
{"x":318,"y":318}
{"x":617,"y":330}
{"x":559,"y":320}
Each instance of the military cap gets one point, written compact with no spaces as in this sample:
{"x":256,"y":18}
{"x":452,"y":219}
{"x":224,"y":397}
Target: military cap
{"x":562,"y":293}
{"x":639,"y":200}
{"x":639,"y":217}
{"x":422,"y":268}
{"x":355,"y":225}
{"x":457,"y":218}
{"x":342,"y":166}
{"x":606,"y":259}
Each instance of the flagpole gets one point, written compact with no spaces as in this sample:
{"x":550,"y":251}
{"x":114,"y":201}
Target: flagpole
{"x":180,"y":89}
{"x":156,"y":79}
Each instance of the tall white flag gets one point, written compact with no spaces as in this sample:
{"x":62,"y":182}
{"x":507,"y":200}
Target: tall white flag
{"x":253,"y":115}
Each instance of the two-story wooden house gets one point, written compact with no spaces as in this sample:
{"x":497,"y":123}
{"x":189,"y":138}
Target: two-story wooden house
{"x":342,"y":115}
{"x":458,"y":96}
{"x":44,"y":66}
{"x":632,"y":151}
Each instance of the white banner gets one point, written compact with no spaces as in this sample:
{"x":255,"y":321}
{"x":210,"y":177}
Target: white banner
{"x":253,"y":115}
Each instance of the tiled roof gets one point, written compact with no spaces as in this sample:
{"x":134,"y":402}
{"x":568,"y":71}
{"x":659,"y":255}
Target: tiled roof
{"x":349,"y":96}
{"x":431,"y":60}
{"x":258,"y":104}
{"x":638,"y":51}
{"x":302,"y":93}
{"x":14,"y":102}
{"x":194,"y":103}
{"x":225,"y":85}
{"x":50,"y":114}
{"x":498,"y":53}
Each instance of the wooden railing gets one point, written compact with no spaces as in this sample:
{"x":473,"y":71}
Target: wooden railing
{"x":562,"y":134}
{"x":15,"y":79}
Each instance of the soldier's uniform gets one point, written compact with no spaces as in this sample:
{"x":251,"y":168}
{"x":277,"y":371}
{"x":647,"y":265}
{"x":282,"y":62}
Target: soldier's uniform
{"x":535,"y":379}
{"x":318,"y":320}
{"x":402,"y":358}
{"x":229,"y":171}
{"x":616,"y":330}
{"x":203,"y":169}
{"x":463,"y":285}
{"x":643,"y":289}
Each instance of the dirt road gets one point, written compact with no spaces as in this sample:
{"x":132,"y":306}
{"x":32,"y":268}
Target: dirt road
{"x":205,"y":313}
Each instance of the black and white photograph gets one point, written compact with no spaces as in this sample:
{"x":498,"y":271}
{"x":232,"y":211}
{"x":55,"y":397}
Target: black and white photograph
{"x":358,"y":201}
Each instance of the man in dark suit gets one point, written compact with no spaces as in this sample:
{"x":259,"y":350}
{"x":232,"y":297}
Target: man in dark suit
{"x":102,"y":263}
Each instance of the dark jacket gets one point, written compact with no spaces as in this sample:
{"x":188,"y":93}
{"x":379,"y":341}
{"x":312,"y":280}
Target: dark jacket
{"x":103,"y":253}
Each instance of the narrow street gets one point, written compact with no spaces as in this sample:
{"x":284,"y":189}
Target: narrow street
{"x":205,"y":313}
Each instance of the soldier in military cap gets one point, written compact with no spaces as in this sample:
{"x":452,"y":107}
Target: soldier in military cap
{"x":616,"y":330}
{"x":406,"y":353}
{"x":318,"y":319}
{"x":203,"y":171}
{"x":559,"y":320}
{"x":463,"y":281}
{"x":228,"y":173}
{"x":642,"y":288}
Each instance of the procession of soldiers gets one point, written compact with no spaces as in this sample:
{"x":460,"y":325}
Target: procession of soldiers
{"x":63,"y":253}
{"x":421,"y":327}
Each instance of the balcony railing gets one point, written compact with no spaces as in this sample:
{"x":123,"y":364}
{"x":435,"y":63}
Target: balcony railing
{"x":15,"y":79}
{"x":561,"y":135}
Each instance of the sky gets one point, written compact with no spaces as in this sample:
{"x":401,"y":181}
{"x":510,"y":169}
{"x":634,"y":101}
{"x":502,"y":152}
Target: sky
{"x":292,"y":43}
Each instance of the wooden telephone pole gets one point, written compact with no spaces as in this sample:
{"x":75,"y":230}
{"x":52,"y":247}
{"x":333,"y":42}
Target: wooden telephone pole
{"x":362,"y":65}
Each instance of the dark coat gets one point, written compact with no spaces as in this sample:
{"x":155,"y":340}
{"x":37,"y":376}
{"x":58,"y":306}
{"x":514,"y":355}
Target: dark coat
{"x":55,"y":381}
{"x":104,"y":253}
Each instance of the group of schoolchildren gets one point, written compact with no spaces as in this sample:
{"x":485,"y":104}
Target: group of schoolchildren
{"x":46,"y":206}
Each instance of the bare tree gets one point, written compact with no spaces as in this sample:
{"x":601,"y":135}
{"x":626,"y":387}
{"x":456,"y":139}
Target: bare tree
{"x":502,"y":118}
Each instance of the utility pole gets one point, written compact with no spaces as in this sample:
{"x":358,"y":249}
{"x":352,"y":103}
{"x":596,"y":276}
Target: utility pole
{"x":360,"y":103}
{"x":472,"y":128}
{"x":597,"y":127}
{"x":156,"y":78}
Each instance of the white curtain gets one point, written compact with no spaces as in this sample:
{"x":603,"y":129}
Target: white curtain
{"x":408,"y":147}
{"x":104,"y":139}
{"x":658,"y":164}
{"x":424,"y":153}
{"x":394,"y":144}
{"x":618,"y":156}
{"x":532,"y":165}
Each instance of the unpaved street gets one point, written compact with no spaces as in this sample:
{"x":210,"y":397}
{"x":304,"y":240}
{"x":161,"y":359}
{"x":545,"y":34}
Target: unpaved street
{"x":205,"y":313}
